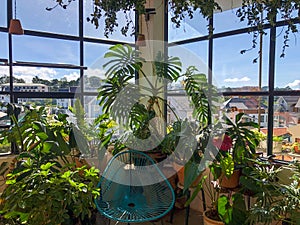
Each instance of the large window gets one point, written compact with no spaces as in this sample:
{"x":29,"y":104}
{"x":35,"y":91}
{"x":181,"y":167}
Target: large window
{"x":263,"y":86}
{"x":57,"y":60}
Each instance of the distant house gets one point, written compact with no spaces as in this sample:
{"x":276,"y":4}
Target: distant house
{"x":22,"y":87}
{"x":249,"y":106}
{"x":287,"y":111}
{"x":287,"y":104}
{"x":182,"y":107}
{"x":25,"y":87}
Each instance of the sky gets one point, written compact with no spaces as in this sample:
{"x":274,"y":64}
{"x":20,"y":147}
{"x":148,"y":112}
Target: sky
{"x":230,"y":67}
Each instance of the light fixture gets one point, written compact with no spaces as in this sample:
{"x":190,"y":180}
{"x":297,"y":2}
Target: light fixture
{"x":15,"y":26}
{"x":140,"y":40}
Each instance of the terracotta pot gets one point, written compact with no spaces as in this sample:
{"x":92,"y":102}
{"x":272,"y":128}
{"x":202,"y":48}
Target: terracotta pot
{"x":231,"y":182}
{"x":297,"y":150}
{"x":208,"y":221}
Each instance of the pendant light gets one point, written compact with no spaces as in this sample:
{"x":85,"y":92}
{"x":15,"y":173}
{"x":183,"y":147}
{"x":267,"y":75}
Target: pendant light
{"x":15,"y":26}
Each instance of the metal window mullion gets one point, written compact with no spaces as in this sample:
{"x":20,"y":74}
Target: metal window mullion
{"x":271,"y":90}
{"x":81,"y":49}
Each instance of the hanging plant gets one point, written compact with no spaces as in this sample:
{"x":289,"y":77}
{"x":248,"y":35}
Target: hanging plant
{"x":108,"y":9}
{"x":259,"y":13}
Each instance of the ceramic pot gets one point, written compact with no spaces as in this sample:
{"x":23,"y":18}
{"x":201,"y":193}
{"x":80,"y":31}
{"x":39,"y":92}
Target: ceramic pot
{"x":231,"y":182}
{"x":208,"y":221}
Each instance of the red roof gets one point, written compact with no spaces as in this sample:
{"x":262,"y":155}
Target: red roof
{"x":279,"y":131}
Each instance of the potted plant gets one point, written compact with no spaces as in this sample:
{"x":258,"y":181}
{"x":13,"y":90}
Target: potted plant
{"x":222,"y":207}
{"x":138,"y":109}
{"x":236,"y":144}
{"x":296,"y":147}
{"x":275,"y":189}
{"x":43,"y":174}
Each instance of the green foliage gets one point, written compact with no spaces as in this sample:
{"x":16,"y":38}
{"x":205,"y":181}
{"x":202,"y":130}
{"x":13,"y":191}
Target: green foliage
{"x":46,"y":195}
{"x":274,"y":199}
{"x":134,"y":107}
{"x":108,"y":10}
{"x":258,"y":13}
{"x":44,"y":187}
{"x":245,"y":140}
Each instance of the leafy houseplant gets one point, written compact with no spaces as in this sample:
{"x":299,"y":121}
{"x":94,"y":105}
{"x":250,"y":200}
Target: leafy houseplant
{"x":50,"y":195}
{"x":135,"y":107}
{"x":43,"y":174}
{"x":138,"y":109}
{"x":275,"y":198}
{"x":236,"y":144}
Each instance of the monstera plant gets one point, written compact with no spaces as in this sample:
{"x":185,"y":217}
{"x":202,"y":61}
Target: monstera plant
{"x":136,"y":106}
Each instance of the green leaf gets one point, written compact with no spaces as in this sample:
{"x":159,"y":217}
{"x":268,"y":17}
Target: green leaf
{"x":47,"y":147}
{"x":47,"y":166}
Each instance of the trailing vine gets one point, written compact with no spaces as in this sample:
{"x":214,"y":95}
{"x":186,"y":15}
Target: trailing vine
{"x":257,"y":13}
{"x":108,"y":9}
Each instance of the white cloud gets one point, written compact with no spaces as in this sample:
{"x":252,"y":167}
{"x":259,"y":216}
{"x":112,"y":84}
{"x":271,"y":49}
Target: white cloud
{"x":243,"y":79}
{"x":295,"y":83}
{"x":95,"y":72}
{"x":27,"y":73}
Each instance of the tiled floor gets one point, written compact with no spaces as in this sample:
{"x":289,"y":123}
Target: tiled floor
{"x":195,"y":218}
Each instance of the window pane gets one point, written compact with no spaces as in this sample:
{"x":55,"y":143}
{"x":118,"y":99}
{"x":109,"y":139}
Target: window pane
{"x":36,"y":49}
{"x":189,"y":28}
{"x":3,"y":46}
{"x":193,"y":54}
{"x":4,"y":78}
{"x":91,"y":31}
{"x":227,"y":20}
{"x":286,"y":130}
{"x":91,"y":108}
{"x":233,"y":70}
{"x":287,"y":68}
{"x":94,"y":60}
{"x":37,"y":79}
{"x":34,"y":16}
{"x":3,"y":13}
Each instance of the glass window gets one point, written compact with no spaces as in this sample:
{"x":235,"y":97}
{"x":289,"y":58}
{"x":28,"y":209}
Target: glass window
{"x":3,"y":46}
{"x":233,"y":70}
{"x":286,"y":127}
{"x":189,"y":28}
{"x":227,"y":20}
{"x":3,"y":13}
{"x":40,"y":79}
{"x":34,"y":16}
{"x":94,"y":60}
{"x":91,"y":108}
{"x":37,"y":49}
{"x":91,"y":31}
{"x":4,"y":78}
{"x":287,"y":67}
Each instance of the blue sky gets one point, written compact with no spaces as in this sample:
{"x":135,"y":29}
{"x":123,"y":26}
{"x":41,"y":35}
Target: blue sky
{"x":230,"y":67}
